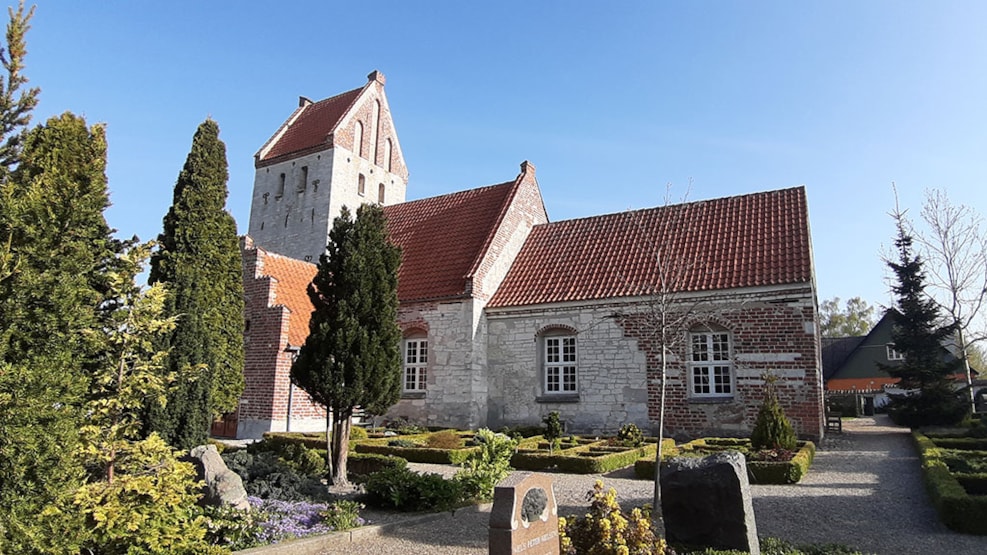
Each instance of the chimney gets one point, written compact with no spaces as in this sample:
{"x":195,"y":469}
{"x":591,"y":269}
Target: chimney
{"x":527,"y":168}
{"x":377,"y":76}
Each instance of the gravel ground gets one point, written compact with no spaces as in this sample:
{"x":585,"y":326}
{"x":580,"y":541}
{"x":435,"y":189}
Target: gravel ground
{"x":864,"y":490}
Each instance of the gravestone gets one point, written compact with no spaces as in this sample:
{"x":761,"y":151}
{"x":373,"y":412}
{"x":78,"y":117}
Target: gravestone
{"x":524,"y":518}
{"x":707,"y":502}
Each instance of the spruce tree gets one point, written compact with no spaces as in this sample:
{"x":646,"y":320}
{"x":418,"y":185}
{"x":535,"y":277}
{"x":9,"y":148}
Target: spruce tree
{"x":772,"y":429}
{"x":199,"y":260}
{"x":918,"y":336}
{"x":352,"y":355}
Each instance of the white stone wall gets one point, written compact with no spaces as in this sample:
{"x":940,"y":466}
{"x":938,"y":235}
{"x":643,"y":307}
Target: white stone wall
{"x":297,"y":223}
{"x":612,"y":379}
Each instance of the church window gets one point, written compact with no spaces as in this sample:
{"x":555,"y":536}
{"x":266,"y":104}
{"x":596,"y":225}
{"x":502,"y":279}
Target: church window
{"x":361,"y":185}
{"x":380,"y":193}
{"x":415,"y":363}
{"x":280,"y":192}
{"x":710,"y":369}
{"x":375,"y":132}
{"x":304,"y":181}
{"x":560,"y":364}
{"x":358,"y":139}
{"x":387,"y":154}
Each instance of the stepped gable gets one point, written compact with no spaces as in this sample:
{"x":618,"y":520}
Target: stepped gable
{"x":443,"y":238}
{"x":759,"y":239}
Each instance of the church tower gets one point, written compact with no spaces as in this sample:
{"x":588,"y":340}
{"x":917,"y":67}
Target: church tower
{"x":341,"y":151}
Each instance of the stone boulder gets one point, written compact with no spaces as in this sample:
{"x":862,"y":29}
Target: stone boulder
{"x":707,"y":502}
{"x":223,"y":487}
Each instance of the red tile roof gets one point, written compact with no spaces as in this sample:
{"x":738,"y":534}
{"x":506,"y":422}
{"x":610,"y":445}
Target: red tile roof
{"x":292,"y":277}
{"x":744,"y":241}
{"x":311,"y":125}
{"x":442,"y":238}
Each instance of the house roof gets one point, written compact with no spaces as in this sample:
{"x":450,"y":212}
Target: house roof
{"x":291,"y":278}
{"x":836,"y":350}
{"x":442,"y":238}
{"x":309,"y":127}
{"x":751,"y":240}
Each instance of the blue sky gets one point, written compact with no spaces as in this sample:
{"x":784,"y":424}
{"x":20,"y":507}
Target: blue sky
{"x":611,"y":101}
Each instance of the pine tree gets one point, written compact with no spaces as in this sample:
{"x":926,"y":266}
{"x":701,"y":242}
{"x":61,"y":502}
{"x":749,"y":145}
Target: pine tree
{"x":918,"y":337}
{"x":51,"y":219}
{"x":352,"y":354}
{"x":199,"y":260}
{"x":772,"y":429}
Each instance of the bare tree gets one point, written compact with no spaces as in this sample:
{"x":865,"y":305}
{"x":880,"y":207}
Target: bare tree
{"x":955,"y":251}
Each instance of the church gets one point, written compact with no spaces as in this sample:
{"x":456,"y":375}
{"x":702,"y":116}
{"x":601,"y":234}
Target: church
{"x":507,"y":316}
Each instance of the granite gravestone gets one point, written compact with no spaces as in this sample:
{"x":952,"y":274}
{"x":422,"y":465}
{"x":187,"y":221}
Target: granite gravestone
{"x":524,"y":518}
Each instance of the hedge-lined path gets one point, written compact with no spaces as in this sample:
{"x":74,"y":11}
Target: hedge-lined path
{"x":864,"y":490}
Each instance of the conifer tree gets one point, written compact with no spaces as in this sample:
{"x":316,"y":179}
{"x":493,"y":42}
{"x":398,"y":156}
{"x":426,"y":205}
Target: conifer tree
{"x":199,"y":260}
{"x":918,"y":336}
{"x":352,"y":354}
{"x":772,"y":429}
{"x":15,"y":104}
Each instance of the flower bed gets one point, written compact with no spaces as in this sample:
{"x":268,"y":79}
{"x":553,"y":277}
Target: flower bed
{"x":582,"y":456}
{"x":760,"y":471}
{"x":419,"y":454}
{"x":958,"y":496}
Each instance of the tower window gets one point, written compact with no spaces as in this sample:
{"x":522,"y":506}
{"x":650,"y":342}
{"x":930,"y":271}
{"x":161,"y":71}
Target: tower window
{"x":380,"y":193}
{"x":280,"y":192}
{"x":387,"y":154}
{"x":358,"y":139}
{"x":304,"y":181}
{"x":361,"y":186}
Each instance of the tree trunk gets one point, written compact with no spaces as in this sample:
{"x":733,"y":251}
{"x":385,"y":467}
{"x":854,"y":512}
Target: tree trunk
{"x":341,"y":446}
{"x":329,"y":456}
{"x":657,"y":517}
{"x":966,"y":367}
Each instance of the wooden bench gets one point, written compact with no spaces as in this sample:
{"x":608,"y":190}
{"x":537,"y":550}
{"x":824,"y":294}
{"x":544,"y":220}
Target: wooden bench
{"x":834,"y":422}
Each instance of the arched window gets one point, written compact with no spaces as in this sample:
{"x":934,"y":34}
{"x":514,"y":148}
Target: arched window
{"x":387,"y":154}
{"x":415,"y":356}
{"x":358,"y":139}
{"x":375,"y":132}
{"x":710,"y":366}
{"x":361,"y":185}
{"x":559,"y":361}
{"x":380,"y":193}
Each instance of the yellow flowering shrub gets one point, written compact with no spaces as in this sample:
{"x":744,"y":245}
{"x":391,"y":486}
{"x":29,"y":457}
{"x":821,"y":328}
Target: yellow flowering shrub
{"x":607,"y":530}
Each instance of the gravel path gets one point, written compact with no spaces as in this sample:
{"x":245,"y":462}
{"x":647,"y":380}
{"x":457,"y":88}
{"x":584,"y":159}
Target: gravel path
{"x":864,"y":490}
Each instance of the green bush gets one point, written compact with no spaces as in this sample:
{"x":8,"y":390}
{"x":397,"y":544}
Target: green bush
{"x":364,"y":464}
{"x":772,"y":430}
{"x":957,"y":508}
{"x":268,"y":477}
{"x":403,"y":443}
{"x":231,"y":527}
{"x":580,"y":460}
{"x":277,"y":441}
{"x":342,"y":515}
{"x":446,"y":439}
{"x":789,"y":472}
{"x":965,"y":443}
{"x":150,"y":507}
{"x":358,"y":432}
{"x":486,"y":466}
{"x":630,"y":436}
{"x":402,"y":489}
{"x":553,"y":430}
{"x":417,"y":453}
{"x":607,"y":529}
{"x":939,"y":406}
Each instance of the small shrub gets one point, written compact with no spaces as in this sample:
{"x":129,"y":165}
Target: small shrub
{"x":553,"y":430}
{"x":772,"y":430}
{"x":343,"y":515}
{"x":405,"y":490}
{"x":358,"y":433}
{"x":630,"y":436}
{"x":487,"y":466}
{"x":608,"y":529}
{"x":363,"y":464}
{"x":231,"y":527}
{"x":403,"y":443}
{"x":939,"y":406}
{"x":266,"y":476}
{"x":446,"y":439}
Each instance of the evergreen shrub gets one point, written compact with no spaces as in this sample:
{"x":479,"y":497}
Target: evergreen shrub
{"x":630,"y":435}
{"x":772,"y":430}
{"x":404,"y":490}
{"x":360,"y":465}
{"x":958,"y":510}
{"x":445,"y":439}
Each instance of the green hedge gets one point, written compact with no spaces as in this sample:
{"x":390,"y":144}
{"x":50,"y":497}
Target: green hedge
{"x":277,"y":441}
{"x":416,"y":454}
{"x":759,"y":472}
{"x":363,"y":464}
{"x":962,"y":443}
{"x":580,"y":459}
{"x":958,"y":510}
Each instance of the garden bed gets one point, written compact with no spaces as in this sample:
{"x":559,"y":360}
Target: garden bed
{"x":958,"y":496}
{"x":759,"y":472}
{"x":580,"y":456}
{"x":414,"y":449}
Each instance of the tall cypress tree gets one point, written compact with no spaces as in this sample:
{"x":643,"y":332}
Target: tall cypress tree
{"x":919,"y":338}
{"x":199,"y":259}
{"x":51,"y":217}
{"x":352,"y":355}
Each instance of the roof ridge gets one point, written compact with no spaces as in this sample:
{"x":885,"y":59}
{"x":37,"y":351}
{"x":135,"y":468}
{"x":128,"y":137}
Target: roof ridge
{"x":349,"y":106}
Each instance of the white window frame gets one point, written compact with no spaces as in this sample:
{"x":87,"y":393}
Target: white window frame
{"x":560,"y":365}
{"x":711,"y":374}
{"x":894,"y":354}
{"x":414,"y":353}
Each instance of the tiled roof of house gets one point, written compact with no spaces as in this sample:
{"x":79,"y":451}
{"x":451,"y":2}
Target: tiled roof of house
{"x":442,"y":237}
{"x":311,"y":125}
{"x":292,"y":278}
{"x":835,"y":352}
{"x":751,"y":240}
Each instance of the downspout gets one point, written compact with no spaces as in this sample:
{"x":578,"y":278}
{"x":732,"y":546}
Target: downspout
{"x":291,"y":387}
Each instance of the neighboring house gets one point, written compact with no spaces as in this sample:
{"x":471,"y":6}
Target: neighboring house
{"x":507,"y":317}
{"x":853,"y":365}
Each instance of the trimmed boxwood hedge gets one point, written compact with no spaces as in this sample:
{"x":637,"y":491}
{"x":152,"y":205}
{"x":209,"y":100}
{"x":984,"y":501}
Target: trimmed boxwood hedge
{"x":581,"y":459}
{"x":277,"y":441}
{"x":958,"y":510}
{"x":415,"y":454}
{"x":760,"y":472}
{"x":963,"y":443}
{"x":363,"y":464}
